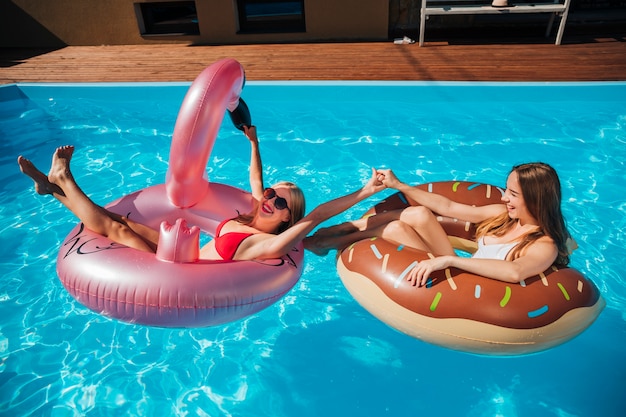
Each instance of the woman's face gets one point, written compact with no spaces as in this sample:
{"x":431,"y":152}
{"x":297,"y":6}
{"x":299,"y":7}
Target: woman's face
{"x":271,"y":208}
{"x":514,"y":200}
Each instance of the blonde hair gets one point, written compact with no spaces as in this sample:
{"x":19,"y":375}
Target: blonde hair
{"x":297,"y":207}
{"x":541,"y":190}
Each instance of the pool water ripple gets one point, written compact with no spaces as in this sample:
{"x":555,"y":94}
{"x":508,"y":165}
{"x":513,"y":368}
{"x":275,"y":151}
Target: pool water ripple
{"x":316,"y":351}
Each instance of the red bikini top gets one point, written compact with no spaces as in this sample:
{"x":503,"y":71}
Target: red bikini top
{"x":227,"y":244}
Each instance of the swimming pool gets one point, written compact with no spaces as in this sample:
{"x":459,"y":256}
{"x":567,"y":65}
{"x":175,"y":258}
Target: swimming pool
{"x":315,"y":352}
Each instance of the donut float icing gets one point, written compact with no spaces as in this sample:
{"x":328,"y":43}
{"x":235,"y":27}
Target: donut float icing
{"x":173,"y":288}
{"x":463,"y":311}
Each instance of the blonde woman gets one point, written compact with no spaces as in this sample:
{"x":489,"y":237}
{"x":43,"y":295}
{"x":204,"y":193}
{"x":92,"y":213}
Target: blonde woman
{"x":275,"y":225}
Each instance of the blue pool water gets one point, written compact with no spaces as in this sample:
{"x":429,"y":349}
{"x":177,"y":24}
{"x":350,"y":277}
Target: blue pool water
{"x":315,"y":352}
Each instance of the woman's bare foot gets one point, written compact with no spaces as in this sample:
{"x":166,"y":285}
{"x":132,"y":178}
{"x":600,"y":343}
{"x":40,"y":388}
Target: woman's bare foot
{"x":317,"y":245}
{"x":60,"y":168}
{"x":42,"y":184}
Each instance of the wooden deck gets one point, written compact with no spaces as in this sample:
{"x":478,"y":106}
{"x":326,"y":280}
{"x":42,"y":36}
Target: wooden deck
{"x":591,"y":60}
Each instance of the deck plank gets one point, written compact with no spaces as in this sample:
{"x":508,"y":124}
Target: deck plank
{"x":600,"y":60}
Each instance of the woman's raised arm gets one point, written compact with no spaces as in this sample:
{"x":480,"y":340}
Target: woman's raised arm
{"x":256,"y":166}
{"x":263,"y":246}
{"x":440,"y":204}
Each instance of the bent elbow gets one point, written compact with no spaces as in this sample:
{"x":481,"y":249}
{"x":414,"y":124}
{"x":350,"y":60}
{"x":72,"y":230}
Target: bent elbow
{"x":514,"y":276}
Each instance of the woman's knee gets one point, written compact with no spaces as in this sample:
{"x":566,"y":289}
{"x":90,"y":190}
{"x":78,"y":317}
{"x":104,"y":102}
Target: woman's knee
{"x":418,"y":216}
{"x":397,"y":229}
{"x":119,"y":231}
{"x":404,"y":234}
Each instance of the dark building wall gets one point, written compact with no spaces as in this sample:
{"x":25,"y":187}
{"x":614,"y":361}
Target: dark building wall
{"x":53,"y":23}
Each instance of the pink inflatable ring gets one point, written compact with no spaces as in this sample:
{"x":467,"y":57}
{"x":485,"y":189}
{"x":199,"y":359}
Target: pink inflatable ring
{"x":174,"y":288}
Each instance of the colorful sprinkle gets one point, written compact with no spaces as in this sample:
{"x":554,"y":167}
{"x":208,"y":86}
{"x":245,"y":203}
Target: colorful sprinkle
{"x":580,"y":286}
{"x":402,"y":198}
{"x":507,"y":296}
{"x":376,"y":251}
{"x":477,"y":291}
{"x":564,"y":291}
{"x":429,"y":282}
{"x":430,"y":188}
{"x":385,"y":262}
{"x":488,"y":191}
{"x":350,"y":253}
{"x":467,"y":226}
{"x":435,"y":302}
{"x":522,"y":283}
{"x":399,"y":248}
{"x":544,"y":280}
{"x":501,"y":191}
{"x":455,"y":186}
{"x":471,"y":187}
{"x":404,"y":273}
{"x":450,"y":280}
{"x":538,"y":312}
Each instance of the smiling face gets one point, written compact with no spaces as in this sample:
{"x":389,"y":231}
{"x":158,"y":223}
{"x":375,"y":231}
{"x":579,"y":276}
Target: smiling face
{"x":273,"y":204}
{"x":514,"y":200}
{"x":281,"y":207}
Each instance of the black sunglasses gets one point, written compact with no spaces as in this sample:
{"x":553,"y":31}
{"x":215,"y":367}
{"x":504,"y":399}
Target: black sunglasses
{"x":280,"y":203}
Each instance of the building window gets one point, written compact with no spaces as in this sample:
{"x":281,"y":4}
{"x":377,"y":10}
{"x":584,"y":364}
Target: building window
{"x":271,"y":16}
{"x":173,"y":18}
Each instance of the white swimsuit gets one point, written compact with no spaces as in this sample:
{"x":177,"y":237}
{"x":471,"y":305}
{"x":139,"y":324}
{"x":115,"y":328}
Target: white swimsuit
{"x":494,"y":251}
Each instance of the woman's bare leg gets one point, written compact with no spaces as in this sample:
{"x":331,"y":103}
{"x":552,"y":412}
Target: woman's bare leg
{"x":42,"y":185}
{"x":430,"y":231}
{"x":370,"y":222}
{"x":414,"y":227}
{"x":60,"y":183}
{"x":321,"y":244}
{"x":341,"y":235}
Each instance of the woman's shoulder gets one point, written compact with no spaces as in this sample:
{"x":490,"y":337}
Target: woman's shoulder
{"x":546,"y":241}
{"x":543,"y":244}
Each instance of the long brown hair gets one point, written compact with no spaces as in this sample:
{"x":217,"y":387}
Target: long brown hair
{"x":297,"y":207}
{"x":541,"y":190}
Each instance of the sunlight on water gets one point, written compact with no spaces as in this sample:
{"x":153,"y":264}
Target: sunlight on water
{"x":316,"y":351}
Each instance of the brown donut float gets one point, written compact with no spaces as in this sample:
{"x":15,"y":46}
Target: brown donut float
{"x":463,"y":311}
